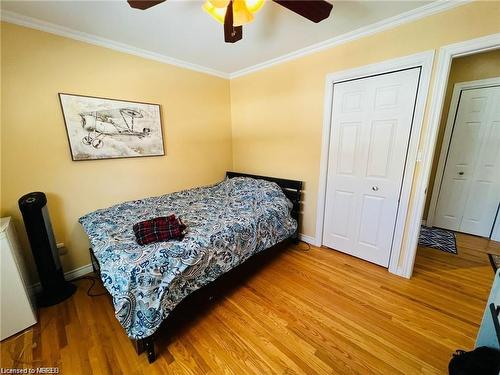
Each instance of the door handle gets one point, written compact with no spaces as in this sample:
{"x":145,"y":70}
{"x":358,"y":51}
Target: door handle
{"x":461,"y":173}
{"x":375,"y":188}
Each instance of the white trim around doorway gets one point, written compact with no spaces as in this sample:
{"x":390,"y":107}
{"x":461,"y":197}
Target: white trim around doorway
{"x":442,"y":71}
{"x":423,"y":60}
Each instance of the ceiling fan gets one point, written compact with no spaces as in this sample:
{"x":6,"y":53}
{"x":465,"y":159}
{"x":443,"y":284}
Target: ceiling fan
{"x":233,"y":14}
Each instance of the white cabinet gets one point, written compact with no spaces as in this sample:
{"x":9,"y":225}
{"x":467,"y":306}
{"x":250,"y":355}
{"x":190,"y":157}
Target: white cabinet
{"x":17,"y":310}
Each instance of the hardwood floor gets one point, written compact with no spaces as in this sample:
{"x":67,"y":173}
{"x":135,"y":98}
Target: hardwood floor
{"x":317,"y":311}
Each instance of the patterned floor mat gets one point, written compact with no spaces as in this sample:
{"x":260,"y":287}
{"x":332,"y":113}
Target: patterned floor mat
{"x":436,"y":238}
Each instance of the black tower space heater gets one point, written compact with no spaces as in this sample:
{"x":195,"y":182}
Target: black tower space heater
{"x":36,"y":218}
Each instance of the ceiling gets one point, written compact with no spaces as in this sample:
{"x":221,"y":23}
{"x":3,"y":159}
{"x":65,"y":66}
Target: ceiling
{"x":182,"y":30}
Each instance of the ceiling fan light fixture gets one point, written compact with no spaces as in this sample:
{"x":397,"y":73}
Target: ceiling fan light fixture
{"x":254,"y":5}
{"x":219,"y":3}
{"x":241,"y":14}
{"x":243,"y":10}
{"x":217,"y":13}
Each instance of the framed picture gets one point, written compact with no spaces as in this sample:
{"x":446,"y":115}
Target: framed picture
{"x":101,"y":128}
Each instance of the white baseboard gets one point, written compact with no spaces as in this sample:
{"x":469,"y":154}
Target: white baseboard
{"x":70,"y":275}
{"x":308,"y":239}
{"x":80,"y":271}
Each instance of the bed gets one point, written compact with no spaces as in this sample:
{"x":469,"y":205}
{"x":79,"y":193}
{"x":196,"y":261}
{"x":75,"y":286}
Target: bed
{"x":228,"y":223}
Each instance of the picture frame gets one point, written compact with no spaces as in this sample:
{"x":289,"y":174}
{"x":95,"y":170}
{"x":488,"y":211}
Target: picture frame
{"x":104,"y":128}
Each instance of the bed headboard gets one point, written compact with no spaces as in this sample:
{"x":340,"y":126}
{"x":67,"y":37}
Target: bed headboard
{"x":291,"y":188}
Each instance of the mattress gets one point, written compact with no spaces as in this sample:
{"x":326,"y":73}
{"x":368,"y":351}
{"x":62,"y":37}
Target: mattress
{"x":227,"y":224}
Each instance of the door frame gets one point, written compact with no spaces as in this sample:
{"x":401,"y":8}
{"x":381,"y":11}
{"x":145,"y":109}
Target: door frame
{"x":423,"y":60}
{"x":428,"y":144}
{"x":448,"y":134}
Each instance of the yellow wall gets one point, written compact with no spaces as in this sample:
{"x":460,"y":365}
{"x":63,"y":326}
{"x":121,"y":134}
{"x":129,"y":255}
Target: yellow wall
{"x":34,"y":149}
{"x":277,"y":113}
{"x":276,"y":117}
{"x":468,"y":68}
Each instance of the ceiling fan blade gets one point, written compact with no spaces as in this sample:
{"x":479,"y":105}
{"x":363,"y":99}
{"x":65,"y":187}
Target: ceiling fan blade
{"x":144,"y":4}
{"x":231,"y":33}
{"x":313,"y":10}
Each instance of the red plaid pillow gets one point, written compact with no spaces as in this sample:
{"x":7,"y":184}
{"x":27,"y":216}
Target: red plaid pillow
{"x":159,"y":229}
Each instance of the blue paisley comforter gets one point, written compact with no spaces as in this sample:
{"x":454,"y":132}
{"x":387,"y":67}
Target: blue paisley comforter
{"x":227,"y":224}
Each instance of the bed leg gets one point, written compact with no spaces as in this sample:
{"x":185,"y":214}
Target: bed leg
{"x":138,"y":346}
{"x":145,"y":345}
{"x":92,"y":260}
{"x":149,"y":348}
{"x":295,"y":237}
{"x":95,"y":264}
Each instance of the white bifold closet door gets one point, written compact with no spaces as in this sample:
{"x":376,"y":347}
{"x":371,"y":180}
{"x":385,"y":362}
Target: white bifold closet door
{"x":370,"y":132}
{"x":470,"y":190}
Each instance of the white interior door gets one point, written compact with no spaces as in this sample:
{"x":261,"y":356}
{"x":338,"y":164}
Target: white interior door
{"x":470,"y":188}
{"x":369,"y":137}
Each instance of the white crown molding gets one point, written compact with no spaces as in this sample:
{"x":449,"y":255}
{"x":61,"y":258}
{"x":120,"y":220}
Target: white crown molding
{"x":388,"y":23}
{"x":385,"y":24}
{"x":52,"y":28}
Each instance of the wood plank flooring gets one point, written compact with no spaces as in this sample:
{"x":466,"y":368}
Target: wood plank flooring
{"x":301,"y":312}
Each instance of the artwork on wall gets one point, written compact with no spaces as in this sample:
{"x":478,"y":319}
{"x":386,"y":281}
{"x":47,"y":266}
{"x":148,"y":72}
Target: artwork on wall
{"x":101,"y":128}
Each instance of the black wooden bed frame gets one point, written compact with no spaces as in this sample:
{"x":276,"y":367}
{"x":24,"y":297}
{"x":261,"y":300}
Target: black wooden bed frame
{"x":293,"y":191}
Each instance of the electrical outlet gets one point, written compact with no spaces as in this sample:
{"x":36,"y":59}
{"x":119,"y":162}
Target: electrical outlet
{"x":62,"y":249}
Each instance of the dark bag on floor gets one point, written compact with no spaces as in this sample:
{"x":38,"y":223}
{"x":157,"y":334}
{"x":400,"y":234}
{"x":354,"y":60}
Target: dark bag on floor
{"x":480,"y":361}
